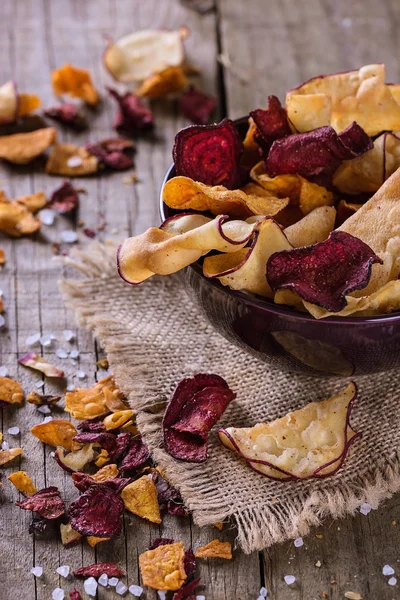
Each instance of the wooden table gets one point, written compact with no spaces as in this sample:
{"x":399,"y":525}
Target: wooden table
{"x":245,"y":50}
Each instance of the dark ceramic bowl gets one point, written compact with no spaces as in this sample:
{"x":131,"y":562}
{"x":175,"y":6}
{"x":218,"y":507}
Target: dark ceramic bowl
{"x":289,"y":339}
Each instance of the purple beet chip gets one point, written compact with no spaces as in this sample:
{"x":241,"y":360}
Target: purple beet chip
{"x":324,"y":273}
{"x":65,"y":199}
{"x":67,"y":114}
{"x":132,"y":115}
{"x":47,"y":503}
{"x":105,"y":440}
{"x":112,"y":153}
{"x":196,"y":106}
{"x":161,"y":542}
{"x":138,"y":454}
{"x":186,"y":592}
{"x":272,"y":124}
{"x":98,"y":511}
{"x":95,"y":426}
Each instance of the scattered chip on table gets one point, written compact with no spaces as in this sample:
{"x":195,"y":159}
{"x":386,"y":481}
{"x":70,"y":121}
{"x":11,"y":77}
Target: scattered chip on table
{"x":163,"y":567}
{"x":215,"y":549}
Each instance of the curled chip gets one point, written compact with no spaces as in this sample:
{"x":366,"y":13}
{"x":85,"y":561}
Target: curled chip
{"x":102,"y":439}
{"x":245,"y":269}
{"x":111,"y":153}
{"x":168,"y":497}
{"x":21,"y":148}
{"x":117,"y":419}
{"x":309,"y":442}
{"x":75,"y":82}
{"x":92,"y":402}
{"x":34,"y":361}
{"x":196,"y":106}
{"x":136,"y":456}
{"x":183,"y":193}
{"x":132,"y":115}
{"x":187,"y":591}
{"x":42,"y":399}
{"x":95,"y":426}
{"x":65,"y":198}
{"x":324,"y":273}
{"x":58,"y":432}
{"x":316,"y":152}
{"x":69,"y":537}
{"x":16,"y":218}
{"x":170,"y":81}
{"x":23,"y":483}
{"x":71,"y":161}
{"x":215,"y":549}
{"x":140,"y":498}
{"x":8,"y":455}
{"x":111,"y":569}
{"x":76,"y":460}
{"x":163,"y":567}
{"x":13,"y":104}
{"x":47,"y":503}
{"x":107,"y":472}
{"x":102,"y":458}
{"x":138,"y":55}
{"x":270,"y":124}
{"x":209,"y":154}
{"x":314,"y":227}
{"x":93,"y":540}
{"x":68,"y":114}
{"x":195,"y":406}
{"x":11,"y":391}
{"x":97,"y":512}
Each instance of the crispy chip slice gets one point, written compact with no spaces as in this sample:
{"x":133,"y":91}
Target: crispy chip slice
{"x":33,"y":202}
{"x":106,"y":472}
{"x":92,"y":402}
{"x":69,"y":537}
{"x":77,"y":460}
{"x":163,"y":567}
{"x":215,"y":549}
{"x":71,"y":161}
{"x":301,"y":444}
{"x":16,"y":219}
{"x":102,"y":458}
{"x":11,"y":391}
{"x":2,"y":257}
{"x":140,"y":498}
{"x":117,"y":419}
{"x":23,"y":483}
{"x":21,"y":148}
{"x":58,"y":432}
{"x":169,"y":82}
{"x":8,"y":455}
{"x":92,"y":540}
{"x":74,"y":81}
{"x":34,"y":361}
{"x":314,"y":227}
{"x":27,"y":103}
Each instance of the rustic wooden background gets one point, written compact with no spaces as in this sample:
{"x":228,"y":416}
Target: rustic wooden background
{"x":246,"y":50}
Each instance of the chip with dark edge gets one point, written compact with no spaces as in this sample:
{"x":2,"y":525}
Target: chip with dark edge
{"x":272,"y":124}
{"x":209,"y":154}
{"x":169,"y":498}
{"x":324,"y":273}
{"x":137,"y":455}
{"x":75,"y":595}
{"x":187,"y":591}
{"x":105,"y":440}
{"x":46,"y":502}
{"x":132,"y":115}
{"x":68,"y":114}
{"x":195,"y":406}
{"x":65,"y":199}
{"x":122,"y":443}
{"x":83,"y":482}
{"x":197,"y":106}
{"x":190,"y":563}
{"x":97,"y":512}
{"x":112,"y":153}
{"x":109,"y":568}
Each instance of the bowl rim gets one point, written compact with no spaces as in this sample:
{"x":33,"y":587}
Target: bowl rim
{"x":266,"y":304}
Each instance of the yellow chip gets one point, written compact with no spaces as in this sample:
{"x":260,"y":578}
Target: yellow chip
{"x":215,"y":549}
{"x":163,"y":567}
{"x":102,"y":458}
{"x":21,"y":148}
{"x":23,"y":483}
{"x":27,"y":103}
{"x":92,"y":540}
{"x":140,"y":498}
{"x":114,"y":402}
{"x":219,"y":525}
{"x":71,"y":161}
{"x":8,"y":455}
{"x":106,"y":472}
{"x":92,"y":402}
{"x":74,"y":81}
{"x":117,"y":419}
{"x":11,"y":391}
{"x":314,"y":227}
{"x":58,"y":432}
{"x":2,"y":257}
{"x":166,"y":83}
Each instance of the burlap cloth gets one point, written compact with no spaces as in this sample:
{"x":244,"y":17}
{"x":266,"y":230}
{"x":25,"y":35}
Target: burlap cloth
{"x":154,"y":336}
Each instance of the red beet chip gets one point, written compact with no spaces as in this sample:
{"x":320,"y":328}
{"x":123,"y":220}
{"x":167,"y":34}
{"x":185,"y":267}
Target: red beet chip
{"x":83,"y":482}
{"x":209,"y":153}
{"x":324,"y":273}
{"x":272,"y":124}
{"x":195,"y":406}
{"x":67,"y":114}
{"x":105,"y":440}
{"x":186,"y":592}
{"x":168,"y":497}
{"x":47,"y":503}
{"x":122,"y":443}
{"x":132,"y":115}
{"x":91,"y":426}
{"x":98,"y":511}
{"x":196,"y":106}
{"x":319,"y":151}
{"x":64,"y":199}
{"x":75,"y":595}
{"x":138,"y":454}
{"x":112,"y":153}
{"x":109,"y":568}
{"x":190,"y":563}
{"x":160,"y":542}
{"x":90,"y":233}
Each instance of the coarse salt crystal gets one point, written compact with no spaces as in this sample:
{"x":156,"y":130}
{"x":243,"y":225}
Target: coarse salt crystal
{"x":3,"y":371}
{"x":37,"y":571}
{"x":365,"y":508}
{"x":260,"y":597}
{"x":39,"y":384}
{"x":136,"y":590}
{"x":103,"y":580}
{"x":5,"y":446}
{"x":263,"y":592}
{"x":61,"y":353}
{"x":298,"y":542}
{"x":74,"y":161}
{"x":46,"y":340}
{"x":2,"y":321}
{"x":90,"y":586}
{"x":45,"y":410}
{"x":113,"y":581}
{"x":289,"y":579}
{"x":52,"y":454}
{"x":58,"y":594}
{"x":121,"y":588}
{"x":68,"y":236}
{"x":347,"y":22}
{"x":33,"y":339}
{"x":63,"y":570}
{"x":46,"y":216}
{"x":81,"y":374}
{"x":388,"y":570}
{"x":13,"y":430}
{"x":70,"y":387}
{"x":162,"y":595}
{"x":392,"y":581}
{"x":204,"y":598}
{"x":47,"y":419}
{"x":74,"y":354}
{"x":68,"y":335}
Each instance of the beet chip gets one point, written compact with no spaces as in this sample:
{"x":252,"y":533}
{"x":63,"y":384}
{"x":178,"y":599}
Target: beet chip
{"x":111,"y":569}
{"x":122,"y":443}
{"x":97,"y":512}
{"x":168,"y":497}
{"x":112,"y":153}
{"x":95,"y":426}
{"x":195,"y":406}
{"x":272,"y":124}
{"x":75,"y":595}
{"x":196,"y":106}
{"x":190,"y":562}
{"x":316,"y":152}
{"x":187,"y":591}
{"x":209,"y":154}
{"x":64,"y":199}
{"x":67,"y":114}
{"x":137,"y":455}
{"x":47,"y":503}
{"x":103,"y":439}
{"x":161,"y":542}
{"x":132,"y":115}
{"x":324,"y":273}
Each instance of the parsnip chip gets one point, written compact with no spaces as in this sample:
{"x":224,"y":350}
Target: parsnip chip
{"x":163,"y":567}
{"x":246,"y":268}
{"x":69,"y":537}
{"x":21,"y":148}
{"x":16,"y":219}
{"x":11,"y":391}
{"x":92,"y":540}
{"x":75,"y":82}
{"x":106,"y":472}
{"x":77,"y":460}
{"x":314,"y":227}
{"x":170,"y":81}
{"x":34,"y":361}
{"x":23,"y":483}
{"x":33,"y":202}
{"x":309,"y":442}
{"x":92,"y":402}
{"x":140,"y":498}
{"x":215,"y":549}
{"x":117,"y":419}
{"x":58,"y":432}
{"x":27,"y":103}
{"x":8,"y":455}
{"x":183,"y":193}
{"x":71,"y":161}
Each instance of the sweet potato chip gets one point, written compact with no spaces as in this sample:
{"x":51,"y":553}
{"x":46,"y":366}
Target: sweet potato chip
{"x":16,"y":219}
{"x":11,"y":391}
{"x":140,"y":498}
{"x":69,"y":537}
{"x":21,"y":148}
{"x":23,"y":483}
{"x":92,"y":402}
{"x":46,"y":502}
{"x":117,"y":419}
{"x":8,"y":455}
{"x":33,"y":202}
{"x":75,"y":82}
{"x":168,"y":82}
{"x":71,"y":161}
{"x":102,"y":458}
{"x":106,"y":472}
{"x":68,"y":114}
{"x":196,"y":106}
{"x":132,"y":115}
{"x":93,"y":540}
{"x":163,"y":567}
{"x":27,"y":103}
{"x":34,"y":361}
{"x":309,"y":442}
{"x":58,"y":432}
{"x":215,"y":549}
{"x":314,"y":227}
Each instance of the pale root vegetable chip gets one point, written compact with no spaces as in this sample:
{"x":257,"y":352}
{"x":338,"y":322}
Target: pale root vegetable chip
{"x":75,"y":82}
{"x":169,"y":82}
{"x":345,"y":210}
{"x":215,"y":549}
{"x":246,"y":268}
{"x":11,"y":391}
{"x":69,"y":537}
{"x":107,"y":472}
{"x":309,"y":442}
{"x":314,"y":227}
{"x":71,"y":161}
{"x":23,"y":483}
{"x":118,"y":419}
{"x":21,"y":148}
{"x":8,"y":102}
{"x":8,"y":455}
{"x":140,"y":498}
{"x":183,"y":193}
{"x":58,"y":432}
{"x":163,"y":567}
{"x":92,"y":402}
{"x":34,"y":361}
{"x":138,"y":55}
{"x":76,"y":460}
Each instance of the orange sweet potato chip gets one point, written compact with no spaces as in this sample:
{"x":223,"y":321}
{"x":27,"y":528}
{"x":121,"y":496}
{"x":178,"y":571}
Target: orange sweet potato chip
{"x":74,"y":81}
{"x":71,"y":161}
{"x":58,"y":432}
{"x":118,"y":419}
{"x":215,"y":549}
{"x":106,"y":472}
{"x":92,"y":402}
{"x":2,"y":256}
{"x":140,"y":498}
{"x":92,"y":540}
{"x":27,"y":103}
{"x":21,"y":148}
{"x":163,"y":567}
{"x":102,"y":458}
{"x":170,"y":81}
{"x":11,"y":391}
{"x":23,"y":483}
{"x":8,"y":455}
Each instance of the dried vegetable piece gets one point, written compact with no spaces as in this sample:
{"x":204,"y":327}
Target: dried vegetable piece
{"x":2,"y":257}
{"x":271,"y":124}
{"x":76,"y":460}
{"x":195,"y":406}
{"x":107,"y":441}
{"x":93,"y":540}
{"x":58,"y":432}
{"x":69,"y":537}
{"x":21,"y":148}
{"x":161,"y":542}
{"x":38,"y":525}
{"x":23,"y":483}
{"x":313,"y":228}
{"x":33,"y":202}
{"x":97,"y":512}
{"x":309,"y":442}
{"x":132,"y":115}
{"x":109,"y":568}
{"x":197,"y":106}
{"x":27,"y":103}
{"x":91,"y":403}
{"x":112,"y":153}
{"x":34,"y":361}
{"x":117,"y":419}
{"x":68,"y":114}
{"x":13,"y":104}
{"x":16,"y":219}
{"x":140,"y":498}
{"x":42,"y":399}
{"x":11,"y":391}
{"x":103,"y":363}
{"x":94,"y":426}
{"x":215,"y":549}
{"x":8,"y":455}
{"x":107,"y":472}
{"x":187,"y":591}
{"x":46,"y":502}
{"x":169,"y":82}
{"x":75,"y":82}
{"x":71,"y":161}
{"x":75,"y":595}
{"x":136,"y":456}
{"x":163,"y":567}
{"x":168,"y":497}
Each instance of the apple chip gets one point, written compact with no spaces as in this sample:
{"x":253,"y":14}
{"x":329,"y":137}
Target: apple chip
{"x":8,"y":455}
{"x":34,"y":361}
{"x":140,"y":498}
{"x":314,"y":227}
{"x":11,"y":391}
{"x":58,"y":432}
{"x":75,"y":82}
{"x":163,"y":567}
{"x":309,"y":442}
{"x":77,"y":460}
{"x":118,"y":419}
{"x":215,"y":549}
{"x":170,"y":81}
{"x":23,"y":483}
{"x":71,"y":161}
{"x":92,"y":402}
{"x":21,"y":148}
{"x":107,"y":472}
{"x":183,"y":193}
